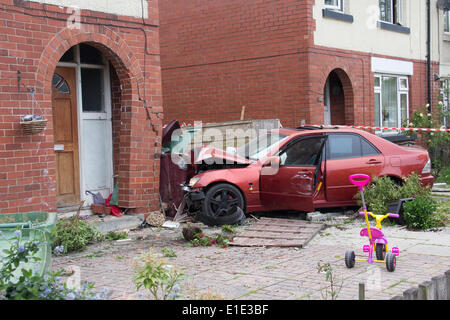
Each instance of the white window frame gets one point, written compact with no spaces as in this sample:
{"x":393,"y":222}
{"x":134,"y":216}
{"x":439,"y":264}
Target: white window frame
{"x":445,"y":93}
{"x":446,"y":21}
{"x":338,"y":7}
{"x":400,"y":91}
{"x":397,"y":6}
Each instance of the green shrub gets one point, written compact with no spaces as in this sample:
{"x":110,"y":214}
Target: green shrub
{"x":30,"y":285}
{"x":441,"y":217}
{"x":75,"y":234}
{"x":384,"y":190}
{"x":418,"y":214}
{"x":437,"y":143}
{"x":444,"y":176}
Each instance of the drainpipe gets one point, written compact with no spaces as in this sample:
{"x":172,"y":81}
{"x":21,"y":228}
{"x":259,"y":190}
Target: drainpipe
{"x":429,"y":55}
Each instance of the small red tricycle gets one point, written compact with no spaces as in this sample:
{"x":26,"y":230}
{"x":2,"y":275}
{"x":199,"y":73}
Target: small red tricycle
{"x":377,"y":241}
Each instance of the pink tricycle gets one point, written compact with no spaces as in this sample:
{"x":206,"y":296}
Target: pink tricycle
{"x":377,"y":241}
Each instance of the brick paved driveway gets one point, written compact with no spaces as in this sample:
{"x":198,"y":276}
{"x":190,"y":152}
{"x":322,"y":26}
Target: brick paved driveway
{"x":268,"y":273}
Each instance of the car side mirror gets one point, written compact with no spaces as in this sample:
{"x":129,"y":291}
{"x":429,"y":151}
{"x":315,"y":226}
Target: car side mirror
{"x":272,"y":162}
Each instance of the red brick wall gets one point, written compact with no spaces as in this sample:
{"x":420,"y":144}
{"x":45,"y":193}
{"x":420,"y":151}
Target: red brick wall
{"x":218,"y":55}
{"x":33,"y":37}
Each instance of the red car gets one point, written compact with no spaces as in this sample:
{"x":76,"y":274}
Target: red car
{"x":298,"y":169}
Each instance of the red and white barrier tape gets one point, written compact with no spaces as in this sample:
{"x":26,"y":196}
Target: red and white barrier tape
{"x":386,"y":128}
{"x":365,"y":127}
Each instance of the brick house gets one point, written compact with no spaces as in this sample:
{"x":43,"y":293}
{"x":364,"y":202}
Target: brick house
{"x":340,"y":62}
{"x":92,"y":70}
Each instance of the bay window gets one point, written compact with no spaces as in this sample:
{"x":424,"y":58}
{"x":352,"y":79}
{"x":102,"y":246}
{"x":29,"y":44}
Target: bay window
{"x":391,"y":101}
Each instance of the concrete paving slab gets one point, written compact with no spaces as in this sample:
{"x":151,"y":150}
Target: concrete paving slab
{"x":433,"y":250}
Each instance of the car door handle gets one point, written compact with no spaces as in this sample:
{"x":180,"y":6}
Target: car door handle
{"x":373,"y":161}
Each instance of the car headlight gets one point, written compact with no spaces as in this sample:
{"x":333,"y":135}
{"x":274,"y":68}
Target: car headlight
{"x":193,"y":181}
{"x":427,"y":168}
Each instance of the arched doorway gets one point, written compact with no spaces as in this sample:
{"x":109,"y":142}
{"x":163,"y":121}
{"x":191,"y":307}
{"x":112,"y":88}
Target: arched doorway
{"x":338,"y":99}
{"x":82,"y":122}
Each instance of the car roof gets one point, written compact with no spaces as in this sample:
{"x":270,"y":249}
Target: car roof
{"x":311,"y":129}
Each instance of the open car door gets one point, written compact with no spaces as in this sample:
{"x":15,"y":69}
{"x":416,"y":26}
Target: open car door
{"x":292,"y":186}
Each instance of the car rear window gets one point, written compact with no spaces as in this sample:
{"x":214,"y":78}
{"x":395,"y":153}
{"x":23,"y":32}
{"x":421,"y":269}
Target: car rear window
{"x":344,"y":146}
{"x":368,"y":149}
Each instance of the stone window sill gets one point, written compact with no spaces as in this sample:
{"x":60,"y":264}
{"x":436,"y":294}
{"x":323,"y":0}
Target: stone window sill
{"x":393,"y":27}
{"x":333,"y":14}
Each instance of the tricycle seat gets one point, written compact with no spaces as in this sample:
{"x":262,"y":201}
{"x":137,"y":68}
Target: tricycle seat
{"x":377,"y":235}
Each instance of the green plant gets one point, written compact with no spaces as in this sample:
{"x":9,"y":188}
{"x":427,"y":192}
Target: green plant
{"x":333,"y":289}
{"x":384,"y":190}
{"x":418,"y":214}
{"x":168,"y":253}
{"x":75,"y":234}
{"x":441,"y":217}
{"x":19,"y":283}
{"x":437,"y":143}
{"x":112,"y":236}
{"x":159,"y":278}
{"x":444,"y":176}
{"x":229,"y":229}
{"x":200,"y":239}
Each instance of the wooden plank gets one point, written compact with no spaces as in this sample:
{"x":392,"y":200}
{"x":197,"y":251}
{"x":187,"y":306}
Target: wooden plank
{"x":269,"y":232}
{"x":313,"y":235}
{"x":281,"y":229}
{"x":276,"y":220}
{"x":267,"y":243}
{"x":287,"y":224}
{"x":259,"y":235}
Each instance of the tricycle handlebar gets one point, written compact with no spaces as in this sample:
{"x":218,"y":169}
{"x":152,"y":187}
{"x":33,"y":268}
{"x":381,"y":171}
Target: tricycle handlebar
{"x":390,"y":215}
{"x":360,"y":183}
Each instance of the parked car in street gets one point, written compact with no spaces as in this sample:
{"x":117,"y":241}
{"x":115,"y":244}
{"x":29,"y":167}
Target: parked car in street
{"x":296,"y":169}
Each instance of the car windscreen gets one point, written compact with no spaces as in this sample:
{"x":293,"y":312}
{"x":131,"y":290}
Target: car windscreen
{"x":259,"y":147}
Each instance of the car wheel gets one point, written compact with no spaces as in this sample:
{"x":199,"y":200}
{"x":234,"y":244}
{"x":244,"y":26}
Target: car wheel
{"x":350,"y":259}
{"x":380,"y":251}
{"x":220,"y":198}
{"x":221,"y":205}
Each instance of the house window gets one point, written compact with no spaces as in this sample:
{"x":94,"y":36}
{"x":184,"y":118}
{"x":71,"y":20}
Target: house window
{"x":391,"y":101}
{"x":391,"y":11}
{"x":335,"y":4}
{"x":446,"y":21}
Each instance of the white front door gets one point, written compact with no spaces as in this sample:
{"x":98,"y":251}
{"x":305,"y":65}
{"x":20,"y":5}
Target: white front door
{"x":95,"y":121}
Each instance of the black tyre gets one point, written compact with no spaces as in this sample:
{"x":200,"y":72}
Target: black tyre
{"x":235,"y":216}
{"x":380,"y":251}
{"x":219,"y":199}
{"x":350,"y":259}
{"x":391,"y":261}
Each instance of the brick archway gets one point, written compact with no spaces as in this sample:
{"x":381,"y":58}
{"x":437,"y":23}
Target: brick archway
{"x":132,"y":114}
{"x":347,"y":91}
{"x":106,"y":40}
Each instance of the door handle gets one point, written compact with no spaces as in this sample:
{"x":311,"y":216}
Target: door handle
{"x":373,"y":161}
